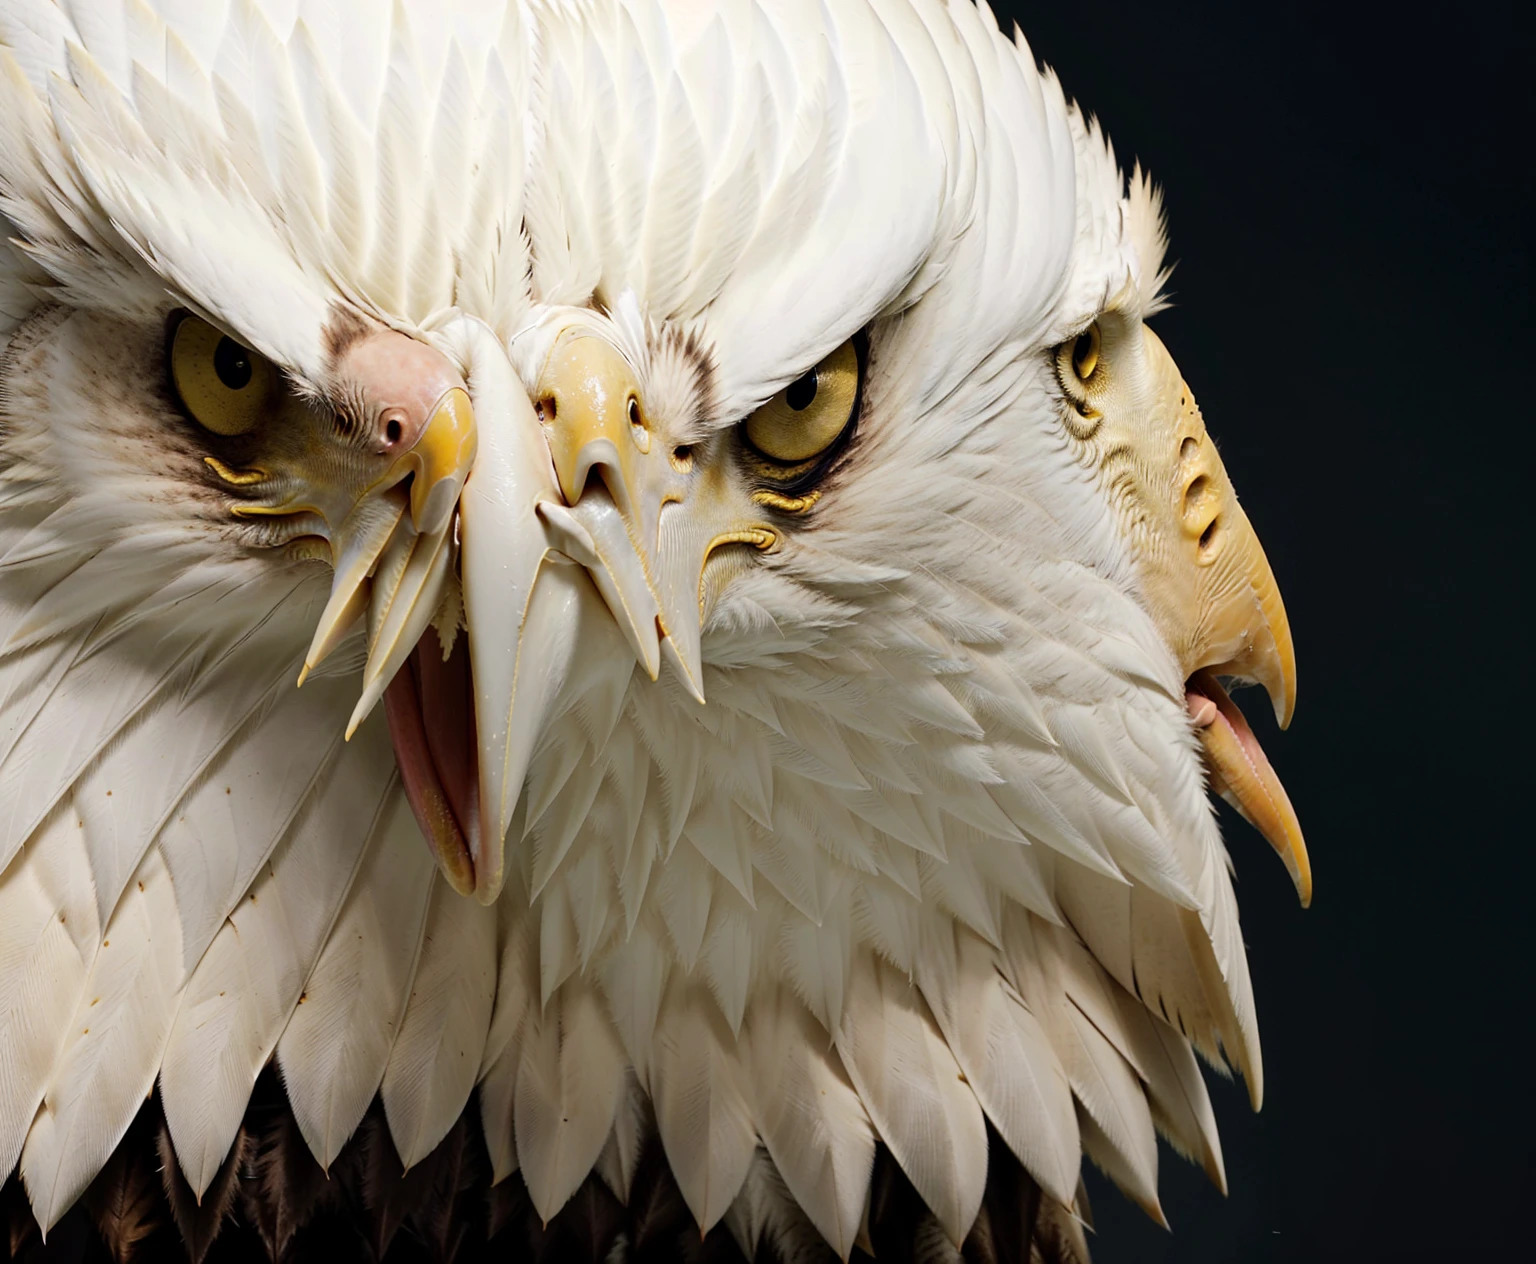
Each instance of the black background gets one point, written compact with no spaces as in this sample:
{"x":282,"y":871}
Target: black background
{"x":1350,"y":200}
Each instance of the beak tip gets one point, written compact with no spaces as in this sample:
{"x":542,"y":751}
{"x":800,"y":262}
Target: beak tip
{"x":486,"y":886}
{"x":1282,"y":689}
{"x":1303,"y":876}
{"x":1285,"y":708}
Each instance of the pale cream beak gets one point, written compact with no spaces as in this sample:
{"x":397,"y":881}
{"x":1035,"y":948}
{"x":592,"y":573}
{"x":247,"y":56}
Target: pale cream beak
{"x":617,"y":478}
{"x":1239,"y":771}
{"x":589,"y":400}
{"x":1243,"y":633}
{"x":392,"y":554}
{"x":1239,"y":629}
{"x":1211,"y":591}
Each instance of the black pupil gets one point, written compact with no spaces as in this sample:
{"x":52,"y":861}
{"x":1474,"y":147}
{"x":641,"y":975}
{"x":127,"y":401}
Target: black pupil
{"x":1082,"y":350}
{"x":801,"y":392}
{"x":232,"y":363}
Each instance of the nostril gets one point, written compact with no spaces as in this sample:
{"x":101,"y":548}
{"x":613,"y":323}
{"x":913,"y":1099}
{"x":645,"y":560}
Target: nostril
{"x":1195,"y":493}
{"x":1208,"y":539}
{"x":546,"y":409}
{"x":393,"y":430}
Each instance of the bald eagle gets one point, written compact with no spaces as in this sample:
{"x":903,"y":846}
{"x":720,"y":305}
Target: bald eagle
{"x":759,"y":594}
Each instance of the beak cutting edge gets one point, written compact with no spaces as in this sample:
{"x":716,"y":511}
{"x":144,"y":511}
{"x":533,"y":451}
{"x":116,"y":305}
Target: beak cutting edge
{"x":1209,"y":588}
{"x":617,"y":478}
{"x":392,"y":553}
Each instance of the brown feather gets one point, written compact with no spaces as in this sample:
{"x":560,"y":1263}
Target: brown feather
{"x":371,"y":1169}
{"x":200,"y":1220}
{"x":503,"y":1206}
{"x":16,"y":1212}
{"x":283,"y":1188}
{"x":270,"y":1201}
{"x":440,"y":1216}
{"x":124,"y":1201}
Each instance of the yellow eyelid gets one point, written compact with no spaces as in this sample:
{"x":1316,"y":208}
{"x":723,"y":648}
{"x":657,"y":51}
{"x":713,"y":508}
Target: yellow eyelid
{"x":214,"y":405}
{"x":789,"y":435}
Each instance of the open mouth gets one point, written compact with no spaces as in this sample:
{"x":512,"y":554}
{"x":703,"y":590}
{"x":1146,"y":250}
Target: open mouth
{"x":1239,"y":771}
{"x":430,"y":708}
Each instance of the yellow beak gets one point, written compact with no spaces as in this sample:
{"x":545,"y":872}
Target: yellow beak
{"x":392,"y":571}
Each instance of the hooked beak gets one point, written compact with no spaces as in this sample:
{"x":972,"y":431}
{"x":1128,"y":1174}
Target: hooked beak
{"x":617,"y":480}
{"x":1242,"y":775}
{"x":519,"y":524}
{"x":1221,"y":609}
{"x":393,"y":553}
{"x":1248,"y":638}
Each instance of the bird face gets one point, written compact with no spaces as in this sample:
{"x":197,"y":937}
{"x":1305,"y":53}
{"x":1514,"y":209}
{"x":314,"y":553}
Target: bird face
{"x":785,"y":556}
{"x":1203,"y":574}
{"x":607,"y":458}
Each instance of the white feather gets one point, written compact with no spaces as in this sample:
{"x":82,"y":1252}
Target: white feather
{"x":699,"y":1088}
{"x":334,"y":1050}
{"x":635,"y":980}
{"x":225,"y":830}
{"x":633,"y":1123}
{"x":109,"y":1063}
{"x":810,"y":1118}
{"x":240,"y":996}
{"x":1181,"y":1104}
{"x":149,"y":773}
{"x":569,"y":1084}
{"x":1162,"y":954}
{"x":47,"y":940}
{"x":915,"y":1092}
{"x":766,"y":1219}
{"x":436,"y":1058}
{"x":27,"y":681}
{"x":498,"y":1094}
{"x":1116,"y":1121}
{"x":1006,"y":1057}
{"x":1160,"y":1057}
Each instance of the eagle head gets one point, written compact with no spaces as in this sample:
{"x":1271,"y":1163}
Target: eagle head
{"x":800,"y":586}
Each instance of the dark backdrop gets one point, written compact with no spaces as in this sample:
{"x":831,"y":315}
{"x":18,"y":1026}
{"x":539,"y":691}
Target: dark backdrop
{"x":1350,"y":199}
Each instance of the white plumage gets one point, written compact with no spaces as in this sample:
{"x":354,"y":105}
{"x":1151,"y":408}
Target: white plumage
{"x":934,"y":852}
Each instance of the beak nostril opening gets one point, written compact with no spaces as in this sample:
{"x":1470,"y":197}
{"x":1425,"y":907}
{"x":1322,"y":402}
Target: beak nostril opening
{"x":1208,"y":537}
{"x":546,"y":409}
{"x":393,"y":430}
{"x":1195,"y":493}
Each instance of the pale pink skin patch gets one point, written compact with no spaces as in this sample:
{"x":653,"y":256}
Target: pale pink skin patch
{"x":430,"y":708}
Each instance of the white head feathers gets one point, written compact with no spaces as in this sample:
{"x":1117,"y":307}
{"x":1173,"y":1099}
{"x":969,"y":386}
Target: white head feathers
{"x":943,"y":797}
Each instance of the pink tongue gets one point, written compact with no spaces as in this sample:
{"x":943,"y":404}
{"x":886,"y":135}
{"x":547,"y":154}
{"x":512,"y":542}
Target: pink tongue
{"x":1209,"y":703}
{"x":430,"y":706}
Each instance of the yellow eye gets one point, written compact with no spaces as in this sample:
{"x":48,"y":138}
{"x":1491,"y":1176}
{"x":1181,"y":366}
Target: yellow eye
{"x":1085,"y":353}
{"x":804,"y":419}
{"x":225,"y":386}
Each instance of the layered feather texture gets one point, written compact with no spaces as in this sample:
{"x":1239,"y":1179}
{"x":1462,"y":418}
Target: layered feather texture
{"x":935,"y":857}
